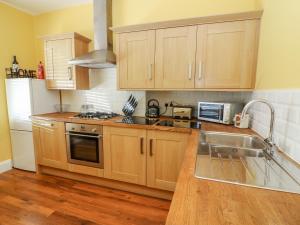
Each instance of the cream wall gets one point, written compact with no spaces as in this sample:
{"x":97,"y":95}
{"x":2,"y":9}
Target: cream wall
{"x":16,"y":39}
{"x":125,"y":12}
{"x":77,"y":18}
{"x":142,"y":11}
{"x":279,"y":51}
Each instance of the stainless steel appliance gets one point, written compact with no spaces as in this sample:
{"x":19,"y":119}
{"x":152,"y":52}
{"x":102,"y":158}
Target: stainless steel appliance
{"x":153,"y":109}
{"x":103,"y":55}
{"x":182,"y":112}
{"x":218,"y":112}
{"x":96,"y":115}
{"x":84,"y":144}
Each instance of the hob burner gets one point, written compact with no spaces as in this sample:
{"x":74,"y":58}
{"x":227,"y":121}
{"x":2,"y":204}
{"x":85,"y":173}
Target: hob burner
{"x":96,"y":115}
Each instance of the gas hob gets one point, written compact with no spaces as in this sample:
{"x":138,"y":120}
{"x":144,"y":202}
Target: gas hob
{"x":96,"y":115}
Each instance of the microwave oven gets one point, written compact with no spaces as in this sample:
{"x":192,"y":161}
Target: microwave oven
{"x":218,"y":112}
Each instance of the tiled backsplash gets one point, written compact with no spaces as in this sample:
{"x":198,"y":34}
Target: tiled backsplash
{"x":105,"y":97}
{"x":286,"y":104}
{"x":103,"y":94}
{"x":287,"y":118}
{"x":191,"y":98}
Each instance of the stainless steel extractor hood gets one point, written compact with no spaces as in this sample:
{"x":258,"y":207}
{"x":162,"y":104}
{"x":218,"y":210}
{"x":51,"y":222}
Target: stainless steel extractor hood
{"x":102,"y":56}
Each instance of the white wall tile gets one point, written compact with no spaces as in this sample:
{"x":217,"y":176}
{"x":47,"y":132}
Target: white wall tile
{"x":103,"y":94}
{"x":192,"y":97}
{"x":287,"y":118}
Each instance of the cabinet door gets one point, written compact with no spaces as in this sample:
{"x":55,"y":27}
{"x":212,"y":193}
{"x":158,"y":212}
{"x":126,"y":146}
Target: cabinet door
{"x":164,"y":158}
{"x":175,"y":57}
{"x":59,"y":74}
{"x":136,"y":59}
{"x":52,"y":145}
{"x":49,"y":66}
{"x":226,"y":55}
{"x":125,"y":154}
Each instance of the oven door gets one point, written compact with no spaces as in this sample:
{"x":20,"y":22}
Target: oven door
{"x":211,"y":112}
{"x":85,"y":149}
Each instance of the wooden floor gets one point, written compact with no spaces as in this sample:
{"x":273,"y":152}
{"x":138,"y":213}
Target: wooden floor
{"x":29,"y":199}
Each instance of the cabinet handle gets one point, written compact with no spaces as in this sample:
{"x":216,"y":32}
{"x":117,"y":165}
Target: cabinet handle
{"x":142,"y":145}
{"x":200,"y":71}
{"x":190,"y":71}
{"x":70,"y":70}
{"x":150,"y":71}
{"x":150,"y":143}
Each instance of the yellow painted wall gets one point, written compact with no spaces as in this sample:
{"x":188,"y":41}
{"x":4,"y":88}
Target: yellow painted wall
{"x":279,"y":54}
{"x":125,"y":12}
{"x":141,"y":11}
{"x":16,"y":39}
{"x":77,"y":18}
{"x":279,"y":51}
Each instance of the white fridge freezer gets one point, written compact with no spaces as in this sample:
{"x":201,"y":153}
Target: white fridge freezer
{"x":26,"y":97}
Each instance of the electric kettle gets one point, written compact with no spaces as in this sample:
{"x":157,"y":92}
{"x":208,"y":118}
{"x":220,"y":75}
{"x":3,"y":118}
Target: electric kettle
{"x":153,"y":109}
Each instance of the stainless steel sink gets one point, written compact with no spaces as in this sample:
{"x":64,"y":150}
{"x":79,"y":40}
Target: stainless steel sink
{"x":242,"y":159}
{"x":233,"y":140}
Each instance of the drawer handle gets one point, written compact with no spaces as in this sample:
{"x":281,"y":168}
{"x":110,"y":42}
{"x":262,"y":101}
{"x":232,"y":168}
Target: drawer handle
{"x":150,"y":143}
{"x":142,"y":145}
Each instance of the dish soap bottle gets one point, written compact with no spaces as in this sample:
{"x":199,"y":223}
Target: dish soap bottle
{"x":15,"y":65}
{"x":41,"y":72}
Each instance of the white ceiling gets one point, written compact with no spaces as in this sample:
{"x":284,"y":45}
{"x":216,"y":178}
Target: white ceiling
{"x":35,"y":7}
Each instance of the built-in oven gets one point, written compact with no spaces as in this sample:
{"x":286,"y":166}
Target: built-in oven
{"x":85,"y":144}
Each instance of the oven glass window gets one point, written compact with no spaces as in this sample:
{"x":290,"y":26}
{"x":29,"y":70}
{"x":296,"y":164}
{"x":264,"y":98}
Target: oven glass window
{"x":84,"y":148}
{"x":210,"y":111}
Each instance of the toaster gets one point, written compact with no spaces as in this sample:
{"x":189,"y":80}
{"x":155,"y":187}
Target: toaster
{"x":182,"y":112}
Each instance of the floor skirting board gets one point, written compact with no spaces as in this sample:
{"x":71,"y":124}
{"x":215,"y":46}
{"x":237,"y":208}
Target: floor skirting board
{"x":5,"y":165}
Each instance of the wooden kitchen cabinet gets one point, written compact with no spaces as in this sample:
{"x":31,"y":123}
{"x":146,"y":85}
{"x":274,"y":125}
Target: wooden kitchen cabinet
{"x":136,"y":59}
{"x":175,"y":57}
{"x":164,"y":158}
{"x":50,"y":144}
{"x":226,"y":55}
{"x":215,"y":53}
{"x":151,"y":158}
{"x":125,"y":154}
{"x":58,"y":50}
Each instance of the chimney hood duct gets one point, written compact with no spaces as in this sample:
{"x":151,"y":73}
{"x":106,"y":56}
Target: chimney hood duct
{"x":102,"y":56}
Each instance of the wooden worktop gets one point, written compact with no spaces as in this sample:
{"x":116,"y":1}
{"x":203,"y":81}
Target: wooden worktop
{"x":69,"y":118}
{"x":204,"y":202}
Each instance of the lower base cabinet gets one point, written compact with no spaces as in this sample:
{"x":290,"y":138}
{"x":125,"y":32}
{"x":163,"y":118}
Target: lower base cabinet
{"x":164,"y":158}
{"x":125,"y":154}
{"x":138,"y":156}
{"x":50,"y":144}
{"x":151,"y":158}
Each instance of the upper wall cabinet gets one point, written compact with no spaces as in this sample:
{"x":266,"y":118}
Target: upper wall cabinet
{"x":216,"y":52}
{"x":136,"y":59}
{"x":226,"y":55}
{"x":59,"y":49}
{"x":175,"y":57}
